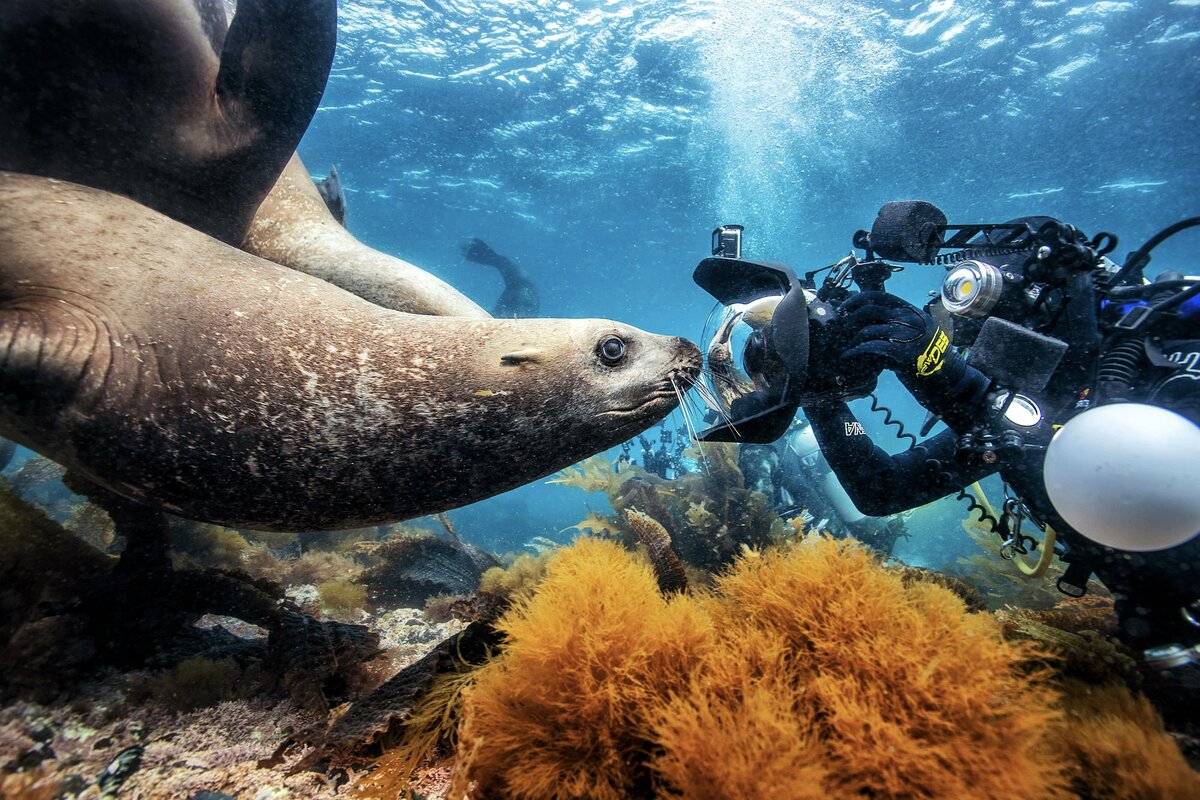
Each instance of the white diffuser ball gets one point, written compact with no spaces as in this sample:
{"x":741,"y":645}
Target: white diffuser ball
{"x":1127,"y":475}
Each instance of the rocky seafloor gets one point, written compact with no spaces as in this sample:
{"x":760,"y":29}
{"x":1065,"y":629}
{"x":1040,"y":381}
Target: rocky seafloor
{"x":125,"y":734}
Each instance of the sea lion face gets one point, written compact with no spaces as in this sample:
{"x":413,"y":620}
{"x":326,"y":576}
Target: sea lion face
{"x":634,"y":378}
{"x":594,"y":382}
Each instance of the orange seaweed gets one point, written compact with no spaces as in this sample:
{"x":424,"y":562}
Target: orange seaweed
{"x":561,"y":712}
{"x":812,"y":672}
{"x":1117,"y":747}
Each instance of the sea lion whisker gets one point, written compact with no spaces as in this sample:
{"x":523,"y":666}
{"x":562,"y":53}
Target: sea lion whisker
{"x":683,"y":409}
{"x":706,"y":396}
{"x":697,"y":407}
{"x":692,"y":435}
{"x":717,"y":376}
{"x":689,"y":424}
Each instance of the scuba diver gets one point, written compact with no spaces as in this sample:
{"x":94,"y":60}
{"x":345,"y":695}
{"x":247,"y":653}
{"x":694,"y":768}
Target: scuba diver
{"x":520,"y":296}
{"x":1080,"y":386}
{"x":666,"y":460}
{"x":797,"y":480}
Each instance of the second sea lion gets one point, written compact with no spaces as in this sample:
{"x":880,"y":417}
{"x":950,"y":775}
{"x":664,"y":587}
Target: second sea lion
{"x":295,"y":228}
{"x":159,"y":101}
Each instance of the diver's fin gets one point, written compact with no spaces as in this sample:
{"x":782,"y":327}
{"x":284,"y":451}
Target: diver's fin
{"x":480,"y":252}
{"x":520,"y":297}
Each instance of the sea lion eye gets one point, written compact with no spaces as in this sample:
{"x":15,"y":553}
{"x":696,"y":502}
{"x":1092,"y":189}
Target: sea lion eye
{"x":611,"y":350}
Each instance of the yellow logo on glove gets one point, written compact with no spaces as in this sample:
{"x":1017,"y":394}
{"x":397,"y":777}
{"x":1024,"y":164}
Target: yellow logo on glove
{"x":930,"y":361}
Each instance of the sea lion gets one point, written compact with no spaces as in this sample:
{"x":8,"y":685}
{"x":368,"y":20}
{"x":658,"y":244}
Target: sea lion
{"x":293,"y":227}
{"x":157,"y":100}
{"x":189,"y":376}
{"x":520,"y":296}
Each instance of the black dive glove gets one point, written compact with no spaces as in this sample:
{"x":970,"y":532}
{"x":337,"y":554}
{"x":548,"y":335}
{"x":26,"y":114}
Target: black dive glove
{"x":882,"y":331}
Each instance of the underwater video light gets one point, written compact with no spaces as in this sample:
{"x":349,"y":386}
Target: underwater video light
{"x":972,"y":289}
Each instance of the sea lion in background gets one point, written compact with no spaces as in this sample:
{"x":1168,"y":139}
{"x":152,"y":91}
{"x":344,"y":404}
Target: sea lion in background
{"x":520,"y":296}
{"x":189,"y":376}
{"x":157,"y":100}
{"x":293,"y":227}
{"x":330,"y":188}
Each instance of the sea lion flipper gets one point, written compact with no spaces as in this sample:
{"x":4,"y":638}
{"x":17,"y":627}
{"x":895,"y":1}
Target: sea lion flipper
{"x":274,"y":64}
{"x":331,"y":192}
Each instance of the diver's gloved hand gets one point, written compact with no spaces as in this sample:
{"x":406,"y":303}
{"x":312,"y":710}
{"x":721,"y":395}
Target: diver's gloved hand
{"x":882,"y":331}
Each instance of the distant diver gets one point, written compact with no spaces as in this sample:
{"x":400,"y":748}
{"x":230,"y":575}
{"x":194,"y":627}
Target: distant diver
{"x":331,"y":192}
{"x":796,"y":478}
{"x":520,"y":295}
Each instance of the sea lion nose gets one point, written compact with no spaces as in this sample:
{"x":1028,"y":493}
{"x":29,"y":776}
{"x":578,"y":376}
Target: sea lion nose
{"x":687,"y":349}
{"x":687,"y":356}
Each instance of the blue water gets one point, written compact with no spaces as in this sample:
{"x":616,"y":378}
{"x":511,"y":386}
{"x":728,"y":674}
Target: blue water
{"x":597,"y":144}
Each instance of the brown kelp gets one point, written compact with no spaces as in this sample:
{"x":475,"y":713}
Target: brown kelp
{"x":709,"y":515}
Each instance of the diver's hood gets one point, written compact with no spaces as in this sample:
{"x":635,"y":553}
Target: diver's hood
{"x":757,"y":348}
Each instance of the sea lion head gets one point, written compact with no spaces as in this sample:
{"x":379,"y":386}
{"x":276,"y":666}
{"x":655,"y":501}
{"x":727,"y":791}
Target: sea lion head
{"x":603,"y":381}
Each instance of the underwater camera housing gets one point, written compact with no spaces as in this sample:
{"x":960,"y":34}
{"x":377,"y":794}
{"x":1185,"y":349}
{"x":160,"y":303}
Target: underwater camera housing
{"x":790,"y":357}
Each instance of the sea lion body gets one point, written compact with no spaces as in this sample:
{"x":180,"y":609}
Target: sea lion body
{"x":190,"y":376}
{"x":158,"y":101}
{"x":295,"y":228}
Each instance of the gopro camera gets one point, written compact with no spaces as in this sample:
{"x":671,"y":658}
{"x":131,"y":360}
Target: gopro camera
{"x":727,"y":241}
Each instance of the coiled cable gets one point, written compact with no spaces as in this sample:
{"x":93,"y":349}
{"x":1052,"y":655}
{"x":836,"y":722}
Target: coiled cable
{"x":889,"y":419}
{"x":985,"y":511}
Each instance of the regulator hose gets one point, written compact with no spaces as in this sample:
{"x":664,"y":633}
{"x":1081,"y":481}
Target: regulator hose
{"x":1046,"y":555}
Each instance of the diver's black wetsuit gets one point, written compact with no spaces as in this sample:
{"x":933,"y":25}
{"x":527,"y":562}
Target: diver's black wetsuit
{"x":1151,"y":588}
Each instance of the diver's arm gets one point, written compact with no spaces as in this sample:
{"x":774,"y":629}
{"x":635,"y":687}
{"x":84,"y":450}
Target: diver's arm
{"x":958,"y":394}
{"x":480,"y":252}
{"x":880,"y":483}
